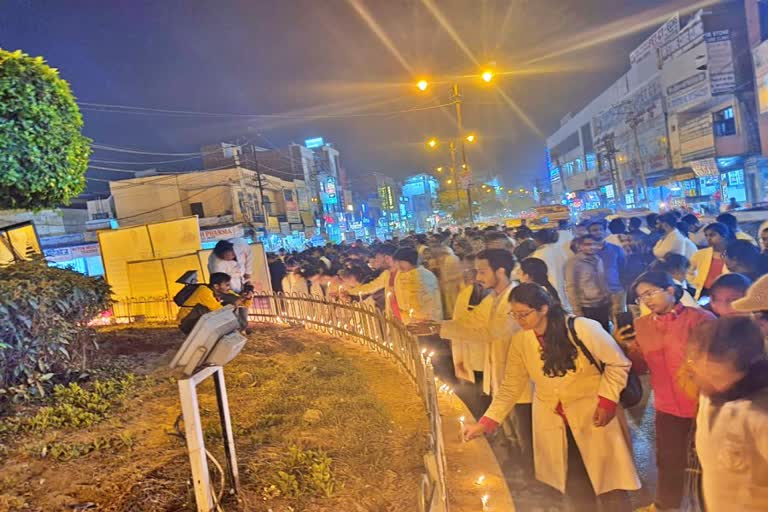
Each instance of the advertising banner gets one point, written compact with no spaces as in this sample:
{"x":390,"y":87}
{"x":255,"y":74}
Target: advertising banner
{"x":224,"y":233}
{"x":291,"y":206}
{"x":697,"y":139}
{"x":722,"y":73}
{"x":684,"y":83}
{"x":667,"y":31}
{"x":760,"y":58}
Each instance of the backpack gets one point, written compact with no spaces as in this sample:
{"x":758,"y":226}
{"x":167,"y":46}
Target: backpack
{"x":185,"y":293}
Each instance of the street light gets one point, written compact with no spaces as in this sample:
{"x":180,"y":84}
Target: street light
{"x":439,"y":169}
{"x":471,"y":137}
{"x":487,"y":75}
{"x":432,"y":143}
{"x":449,"y":181}
{"x":423,"y":85}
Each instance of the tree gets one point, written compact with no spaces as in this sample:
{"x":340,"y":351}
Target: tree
{"x":43,"y":153}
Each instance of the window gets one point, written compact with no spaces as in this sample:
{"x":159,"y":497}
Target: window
{"x":724,"y":122}
{"x":197,"y":209}
{"x":762,"y":9}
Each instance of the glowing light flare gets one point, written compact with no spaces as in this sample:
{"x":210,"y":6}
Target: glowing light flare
{"x":487,"y":76}
{"x":471,"y":137}
{"x":376,"y":29}
{"x":423,"y":85}
{"x":520,"y":113}
{"x":443,"y":21}
{"x":432,"y":143}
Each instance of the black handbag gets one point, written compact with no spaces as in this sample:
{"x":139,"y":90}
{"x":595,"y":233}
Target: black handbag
{"x":632,"y":393}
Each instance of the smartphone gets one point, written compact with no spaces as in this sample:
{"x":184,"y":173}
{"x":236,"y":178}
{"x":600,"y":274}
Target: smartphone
{"x":623,"y":319}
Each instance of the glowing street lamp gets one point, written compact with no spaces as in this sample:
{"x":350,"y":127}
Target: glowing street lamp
{"x":423,"y":85}
{"x":432,"y":143}
{"x":449,"y":181}
{"x":471,"y":137}
{"x":487,"y":76}
{"x":439,"y":169}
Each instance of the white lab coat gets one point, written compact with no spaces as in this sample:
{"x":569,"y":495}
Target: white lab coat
{"x":418,"y":296}
{"x":606,"y":452}
{"x":674,"y":242}
{"x":230,"y":267}
{"x":701,"y":262}
{"x":493,"y":328}
{"x":243,"y":263}
{"x":555,"y":258}
{"x":466,"y":353}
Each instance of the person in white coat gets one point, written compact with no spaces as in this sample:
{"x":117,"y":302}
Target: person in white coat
{"x":491,"y":327}
{"x":727,"y":361}
{"x":552,"y":253}
{"x":580,"y":443}
{"x":224,"y":260}
{"x":233,"y":257}
{"x":672,"y":239}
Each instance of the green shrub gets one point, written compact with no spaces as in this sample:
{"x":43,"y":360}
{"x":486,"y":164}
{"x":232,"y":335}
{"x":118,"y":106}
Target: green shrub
{"x":73,"y":406}
{"x":44,"y":313}
{"x":302,"y":473}
{"x":43,"y":154}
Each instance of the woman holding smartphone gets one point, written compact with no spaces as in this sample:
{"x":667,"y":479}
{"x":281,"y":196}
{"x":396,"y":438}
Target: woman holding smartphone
{"x":659,"y":347}
{"x":580,"y":446}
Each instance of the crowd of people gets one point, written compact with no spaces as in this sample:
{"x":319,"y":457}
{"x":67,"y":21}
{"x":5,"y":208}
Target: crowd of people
{"x":546,"y":336}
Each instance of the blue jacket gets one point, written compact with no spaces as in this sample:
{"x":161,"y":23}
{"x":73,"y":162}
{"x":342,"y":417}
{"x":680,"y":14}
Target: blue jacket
{"x":614,"y":262}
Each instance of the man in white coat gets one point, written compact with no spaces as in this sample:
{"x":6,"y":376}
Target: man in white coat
{"x":233,"y":257}
{"x":491,"y":326}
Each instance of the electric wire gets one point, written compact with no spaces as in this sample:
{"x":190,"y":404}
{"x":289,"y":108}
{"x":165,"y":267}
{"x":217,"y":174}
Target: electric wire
{"x":126,"y":109}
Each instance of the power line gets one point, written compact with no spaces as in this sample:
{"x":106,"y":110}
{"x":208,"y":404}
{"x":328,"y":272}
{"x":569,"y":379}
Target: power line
{"x":104,"y":147}
{"x":125,"y":109}
{"x":125,"y":162}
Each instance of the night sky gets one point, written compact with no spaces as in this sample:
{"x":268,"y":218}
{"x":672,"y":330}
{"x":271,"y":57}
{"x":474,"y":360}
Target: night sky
{"x":320,"y":57}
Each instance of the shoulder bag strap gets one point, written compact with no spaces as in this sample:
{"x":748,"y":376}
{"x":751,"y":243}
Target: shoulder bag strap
{"x":580,"y":344}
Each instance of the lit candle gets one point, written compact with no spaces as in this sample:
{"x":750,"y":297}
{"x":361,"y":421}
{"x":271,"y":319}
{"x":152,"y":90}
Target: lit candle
{"x":484,"y":500}
{"x":480,"y":480}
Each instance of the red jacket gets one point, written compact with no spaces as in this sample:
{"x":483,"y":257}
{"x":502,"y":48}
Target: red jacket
{"x":662,"y":340}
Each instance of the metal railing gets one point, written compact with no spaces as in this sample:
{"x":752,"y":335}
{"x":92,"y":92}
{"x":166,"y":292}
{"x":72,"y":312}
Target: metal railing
{"x":387,"y":336}
{"x":354,"y":321}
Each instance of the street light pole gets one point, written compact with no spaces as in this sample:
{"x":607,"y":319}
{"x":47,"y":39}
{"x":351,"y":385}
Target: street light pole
{"x":456,"y":96}
{"x":452,"y":149}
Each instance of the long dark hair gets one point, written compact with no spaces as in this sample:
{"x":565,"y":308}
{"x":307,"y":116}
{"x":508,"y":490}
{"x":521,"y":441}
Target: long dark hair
{"x":558,"y":353}
{"x":538,"y":271}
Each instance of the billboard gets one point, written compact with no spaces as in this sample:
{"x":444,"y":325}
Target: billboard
{"x":18,"y":242}
{"x":667,"y":31}
{"x":760,"y":58}
{"x":720,"y":61}
{"x":314,"y":143}
{"x":685,"y":81}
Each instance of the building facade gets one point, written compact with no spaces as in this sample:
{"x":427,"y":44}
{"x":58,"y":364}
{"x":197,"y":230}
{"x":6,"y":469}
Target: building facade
{"x":678,"y":129}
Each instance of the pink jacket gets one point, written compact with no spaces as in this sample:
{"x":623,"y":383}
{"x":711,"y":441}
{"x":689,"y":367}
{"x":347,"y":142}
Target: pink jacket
{"x":662,"y":340}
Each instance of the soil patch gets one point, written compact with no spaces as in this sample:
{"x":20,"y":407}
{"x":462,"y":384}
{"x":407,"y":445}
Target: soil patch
{"x":320,"y":425}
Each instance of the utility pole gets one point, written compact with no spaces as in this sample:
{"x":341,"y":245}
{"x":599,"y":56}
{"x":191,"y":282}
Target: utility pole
{"x":633,"y":122}
{"x":245,"y":203}
{"x":466,"y":173}
{"x":452,"y":149}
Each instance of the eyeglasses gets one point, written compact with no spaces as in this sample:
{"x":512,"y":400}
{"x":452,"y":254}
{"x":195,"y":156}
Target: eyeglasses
{"x":520,"y":316}
{"x":647,"y":295}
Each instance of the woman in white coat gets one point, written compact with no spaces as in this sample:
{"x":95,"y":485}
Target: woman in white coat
{"x":580,"y":447}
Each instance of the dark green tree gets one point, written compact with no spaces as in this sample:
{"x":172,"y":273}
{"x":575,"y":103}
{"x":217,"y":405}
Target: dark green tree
{"x":43,"y":153}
